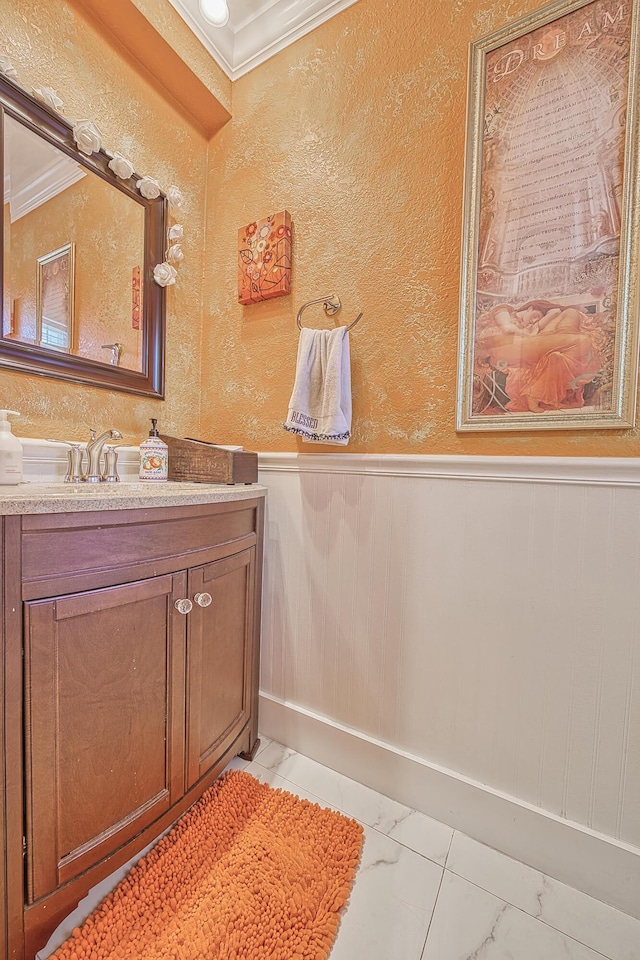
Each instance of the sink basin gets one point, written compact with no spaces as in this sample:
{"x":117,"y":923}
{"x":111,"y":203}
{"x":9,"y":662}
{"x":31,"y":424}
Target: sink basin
{"x":123,"y":488}
{"x":125,"y":493}
{"x":32,"y":497}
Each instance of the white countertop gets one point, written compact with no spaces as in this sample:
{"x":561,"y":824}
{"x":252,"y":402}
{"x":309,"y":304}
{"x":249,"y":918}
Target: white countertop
{"x":30,"y":497}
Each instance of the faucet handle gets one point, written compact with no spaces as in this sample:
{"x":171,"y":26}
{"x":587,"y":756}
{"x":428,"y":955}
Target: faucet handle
{"x":74,"y":461}
{"x":74,"y":470}
{"x":110,"y":474}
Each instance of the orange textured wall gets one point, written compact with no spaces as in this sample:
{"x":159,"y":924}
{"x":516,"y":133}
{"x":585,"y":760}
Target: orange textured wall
{"x":54,"y":45}
{"x":358,"y":130}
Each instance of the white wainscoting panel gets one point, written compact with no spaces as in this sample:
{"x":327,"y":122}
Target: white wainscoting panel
{"x":480,"y":614}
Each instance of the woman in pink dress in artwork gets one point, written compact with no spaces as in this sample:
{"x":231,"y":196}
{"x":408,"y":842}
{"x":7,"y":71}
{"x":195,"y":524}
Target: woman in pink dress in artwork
{"x":544,"y":349}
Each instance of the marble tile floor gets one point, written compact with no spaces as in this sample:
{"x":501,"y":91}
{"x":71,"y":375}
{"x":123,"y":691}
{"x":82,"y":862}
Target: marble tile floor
{"x":426,"y":892}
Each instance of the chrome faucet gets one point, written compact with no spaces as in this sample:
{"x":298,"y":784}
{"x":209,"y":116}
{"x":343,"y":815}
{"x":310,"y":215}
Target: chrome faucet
{"x":94,"y":452}
{"x":116,"y":352}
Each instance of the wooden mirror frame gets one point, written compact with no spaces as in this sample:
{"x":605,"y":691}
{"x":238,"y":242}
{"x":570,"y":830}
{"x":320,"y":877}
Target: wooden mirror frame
{"x":26,"y":358}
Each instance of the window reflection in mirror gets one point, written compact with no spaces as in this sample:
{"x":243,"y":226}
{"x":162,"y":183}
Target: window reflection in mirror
{"x":52,"y":204}
{"x":55,"y":313}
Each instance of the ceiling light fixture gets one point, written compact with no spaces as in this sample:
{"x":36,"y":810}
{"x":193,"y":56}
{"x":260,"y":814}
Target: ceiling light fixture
{"x":215,"y":12}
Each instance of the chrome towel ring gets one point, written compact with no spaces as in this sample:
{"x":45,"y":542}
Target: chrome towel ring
{"x":331,"y":305}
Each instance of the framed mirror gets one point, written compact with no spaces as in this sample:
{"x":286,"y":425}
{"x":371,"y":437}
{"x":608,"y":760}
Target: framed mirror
{"x":79,"y":246}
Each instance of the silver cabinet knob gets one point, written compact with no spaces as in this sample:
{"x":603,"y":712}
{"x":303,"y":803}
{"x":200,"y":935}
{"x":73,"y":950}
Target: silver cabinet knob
{"x":183,"y":606}
{"x":203,"y":599}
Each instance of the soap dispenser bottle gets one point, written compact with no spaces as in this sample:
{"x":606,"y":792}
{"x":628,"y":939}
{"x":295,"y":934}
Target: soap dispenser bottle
{"x":10,"y":451}
{"x":154,"y":456}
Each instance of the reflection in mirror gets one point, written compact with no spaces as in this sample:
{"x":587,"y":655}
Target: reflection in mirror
{"x":55,"y":313}
{"x":74,"y":249}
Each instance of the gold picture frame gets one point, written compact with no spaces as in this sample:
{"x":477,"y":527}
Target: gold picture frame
{"x":55,"y":300}
{"x":549,"y":287}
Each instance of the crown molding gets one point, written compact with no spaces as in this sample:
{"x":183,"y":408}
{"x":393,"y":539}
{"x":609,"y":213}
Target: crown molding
{"x":34,"y":171}
{"x":261,"y":32}
{"x":52,"y":181}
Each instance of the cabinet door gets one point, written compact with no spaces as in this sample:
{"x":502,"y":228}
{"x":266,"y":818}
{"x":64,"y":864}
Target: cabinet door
{"x":104,"y":716}
{"x":219,"y":654}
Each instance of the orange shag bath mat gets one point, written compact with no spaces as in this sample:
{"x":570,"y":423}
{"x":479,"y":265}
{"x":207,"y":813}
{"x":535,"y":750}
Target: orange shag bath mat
{"x":249,"y":872}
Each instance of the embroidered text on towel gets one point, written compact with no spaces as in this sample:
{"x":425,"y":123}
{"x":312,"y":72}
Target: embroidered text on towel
{"x":304,"y":420}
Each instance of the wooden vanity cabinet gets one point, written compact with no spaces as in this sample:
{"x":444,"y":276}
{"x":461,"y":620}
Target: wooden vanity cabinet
{"x":130,"y":706}
{"x":219,"y":693}
{"x":104,"y":723}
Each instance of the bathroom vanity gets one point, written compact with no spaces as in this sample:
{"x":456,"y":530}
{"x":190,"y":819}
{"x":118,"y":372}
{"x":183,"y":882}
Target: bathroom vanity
{"x":130,"y":674}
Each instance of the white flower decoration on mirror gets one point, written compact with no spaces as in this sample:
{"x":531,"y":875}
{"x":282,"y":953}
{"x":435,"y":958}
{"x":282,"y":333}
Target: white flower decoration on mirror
{"x":164,"y":274}
{"x":174,"y":253}
{"x":7,"y":69}
{"x":122,"y":167}
{"x":49,"y":97}
{"x":149,"y":188}
{"x":175,"y":197}
{"x":87,"y":136}
{"x":176,"y":232}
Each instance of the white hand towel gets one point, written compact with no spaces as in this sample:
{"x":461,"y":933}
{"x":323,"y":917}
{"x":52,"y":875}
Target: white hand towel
{"x":320,"y":405}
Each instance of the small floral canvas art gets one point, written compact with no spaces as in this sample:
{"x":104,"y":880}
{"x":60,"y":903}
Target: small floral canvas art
{"x":264,"y":259}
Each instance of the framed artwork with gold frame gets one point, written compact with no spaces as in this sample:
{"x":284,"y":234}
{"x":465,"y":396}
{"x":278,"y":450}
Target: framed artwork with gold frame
{"x":55,"y":306}
{"x":549,"y":285}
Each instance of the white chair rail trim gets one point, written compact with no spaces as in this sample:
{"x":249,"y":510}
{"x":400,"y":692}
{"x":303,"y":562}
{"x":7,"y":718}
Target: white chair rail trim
{"x":612,"y":471}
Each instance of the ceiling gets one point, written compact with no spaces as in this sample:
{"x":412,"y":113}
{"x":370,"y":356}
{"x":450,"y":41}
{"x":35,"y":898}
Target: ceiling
{"x":257,"y":28}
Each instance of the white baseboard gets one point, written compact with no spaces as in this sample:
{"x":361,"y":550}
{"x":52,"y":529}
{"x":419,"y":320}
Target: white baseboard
{"x":600,"y":866}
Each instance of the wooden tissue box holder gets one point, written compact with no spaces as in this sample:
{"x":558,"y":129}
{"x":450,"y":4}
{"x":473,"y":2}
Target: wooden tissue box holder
{"x":200,"y":462}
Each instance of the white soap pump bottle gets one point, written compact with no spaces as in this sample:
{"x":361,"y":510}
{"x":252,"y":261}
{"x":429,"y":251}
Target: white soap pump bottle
{"x":154,"y":456}
{"x":10,"y":451}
